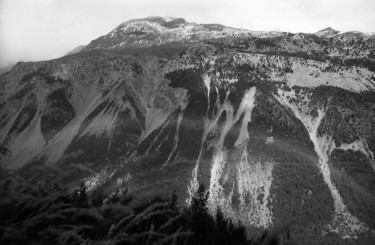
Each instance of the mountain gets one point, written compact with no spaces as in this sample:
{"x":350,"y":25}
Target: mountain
{"x":76,"y":50}
{"x":156,"y":31}
{"x":5,"y":68}
{"x":279,"y":126}
{"x":327,"y":32}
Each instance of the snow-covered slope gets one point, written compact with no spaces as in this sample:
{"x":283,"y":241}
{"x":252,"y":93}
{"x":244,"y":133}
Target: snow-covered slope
{"x":154,"y":31}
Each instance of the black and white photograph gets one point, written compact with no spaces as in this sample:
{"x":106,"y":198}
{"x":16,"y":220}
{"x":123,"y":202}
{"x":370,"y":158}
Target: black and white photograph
{"x":187,"y":122}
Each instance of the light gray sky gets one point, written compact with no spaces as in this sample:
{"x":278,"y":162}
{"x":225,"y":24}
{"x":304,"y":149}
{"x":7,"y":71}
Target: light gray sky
{"x":46,"y":29}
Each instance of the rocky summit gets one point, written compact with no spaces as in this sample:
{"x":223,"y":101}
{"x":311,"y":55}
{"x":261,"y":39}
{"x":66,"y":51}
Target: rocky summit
{"x":280,"y":127}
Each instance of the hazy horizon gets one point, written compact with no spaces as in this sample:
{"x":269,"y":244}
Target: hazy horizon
{"x":33,"y":30}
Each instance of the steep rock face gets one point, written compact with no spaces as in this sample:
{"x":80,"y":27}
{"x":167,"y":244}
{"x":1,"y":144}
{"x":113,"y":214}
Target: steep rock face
{"x":274,"y":126}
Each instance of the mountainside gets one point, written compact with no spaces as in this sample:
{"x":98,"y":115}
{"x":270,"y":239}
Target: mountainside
{"x":327,"y":32}
{"x":279,"y":126}
{"x":76,"y":50}
{"x":158,"y":30}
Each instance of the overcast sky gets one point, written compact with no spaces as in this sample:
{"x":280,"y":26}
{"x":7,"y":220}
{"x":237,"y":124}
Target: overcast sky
{"x":47,"y":29}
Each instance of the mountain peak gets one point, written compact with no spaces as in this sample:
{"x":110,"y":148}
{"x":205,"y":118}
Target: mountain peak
{"x":174,"y":32}
{"x":327,"y":32}
{"x":154,"y":31}
{"x":327,"y":29}
{"x":167,"y":22}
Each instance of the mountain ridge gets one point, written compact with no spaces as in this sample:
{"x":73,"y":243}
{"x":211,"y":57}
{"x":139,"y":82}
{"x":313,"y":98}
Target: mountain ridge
{"x":76,"y":50}
{"x":153,"y":31}
{"x":239,"y":113}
